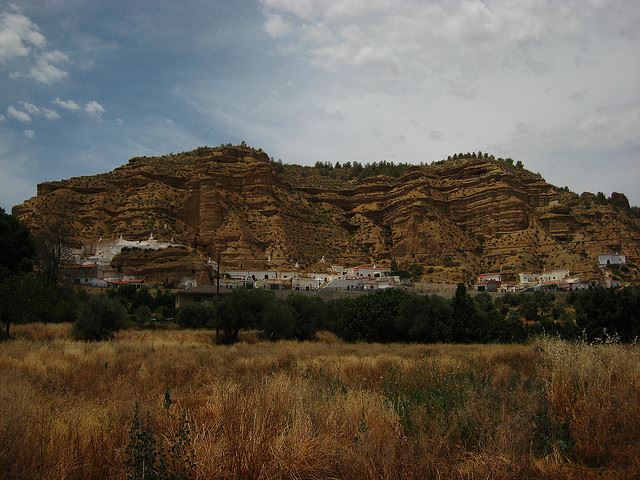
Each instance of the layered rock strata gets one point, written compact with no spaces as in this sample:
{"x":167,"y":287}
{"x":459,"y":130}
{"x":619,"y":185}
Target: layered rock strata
{"x":456,"y":218}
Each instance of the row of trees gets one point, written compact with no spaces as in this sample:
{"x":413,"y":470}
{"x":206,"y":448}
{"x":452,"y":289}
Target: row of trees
{"x":350,"y":170}
{"x":357,"y":170}
{"x":486,"y":156}
{"x":398,"y":316}
{"x":294,"y":317}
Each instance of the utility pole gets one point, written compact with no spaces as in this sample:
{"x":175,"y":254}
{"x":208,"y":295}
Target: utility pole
{"x":218,"y":274}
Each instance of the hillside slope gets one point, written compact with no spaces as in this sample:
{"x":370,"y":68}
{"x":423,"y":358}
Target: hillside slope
{"x":457,"y":218}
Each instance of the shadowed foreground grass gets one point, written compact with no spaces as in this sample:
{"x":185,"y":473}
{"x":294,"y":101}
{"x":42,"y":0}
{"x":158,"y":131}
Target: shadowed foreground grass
{"x":318,"y":410}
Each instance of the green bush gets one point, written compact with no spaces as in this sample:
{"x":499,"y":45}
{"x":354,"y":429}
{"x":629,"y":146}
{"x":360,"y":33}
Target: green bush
{"x":244,"y":308}
{"x":279,"y":321}
{"x":98,"y":318}
{"x":142,"y":314}
{"x":310,"y":315}
{"x":196,"y":315}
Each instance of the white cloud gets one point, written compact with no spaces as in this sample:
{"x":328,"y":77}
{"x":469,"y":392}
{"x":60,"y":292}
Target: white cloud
{"x":446,"y":39}
{"x":18,"y":35}
{"x":613,"y":128}
{"x":67,"y":104}
{"x":30,"y":108}
{"x":275,"y":26}
{"x":2,"y":118}
{"x":94,"y":110}
{"x":20,"y":38}
{"x":419,"y":80}
{"x":436,"y":135}
{"x":18,"y":115}
{"x":29,"y":134}
{"x":303,"y":9}
{"x":46,"y":69}
{"x":50,"y":114}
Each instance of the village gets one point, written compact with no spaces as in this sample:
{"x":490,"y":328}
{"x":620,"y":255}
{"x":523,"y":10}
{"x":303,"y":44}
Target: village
{"x":91,"y":266}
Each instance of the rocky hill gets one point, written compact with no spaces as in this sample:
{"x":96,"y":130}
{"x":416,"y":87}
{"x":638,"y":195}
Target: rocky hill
{"x":456,"y":218}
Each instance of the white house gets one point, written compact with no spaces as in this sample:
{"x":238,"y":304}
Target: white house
{"x":381,"y":282}
{"x":306,"y":283}
{"x":490,"y":278}
{"x":105,"y":250}
{"x":98,"y":283}
{"x":286,"y":274}
{"x":528,"y":277}
{"x":252,"y":274}
{"x":362,"y":283}
{"x":607,"y":259}
{"x":272,"y":284}
{"x":346,"y":284}
{"x":80,"y":273}
{"x":554,"y":275}
{"x":573,"y":283}
{"x":369,"y":271}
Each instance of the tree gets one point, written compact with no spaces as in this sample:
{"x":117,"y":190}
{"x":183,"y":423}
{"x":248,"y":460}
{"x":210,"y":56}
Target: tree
{"x":52,"y":251}
{"x":98,"y":319}
{"x":16,"y":246}
{"x":310,"y":315}
{"x":244,"y":308}
{"x":616,"y":312}
{"x":196,"y":315}
{"x":464,"y":316}
{"x":424,"y":319}
{"x":19,"y":299}
{"x":279,"y":321}
{"x":488,"y":321}
{"x":16,"y":261}
{"x":142,"y":314}
{"x":371,"y":317}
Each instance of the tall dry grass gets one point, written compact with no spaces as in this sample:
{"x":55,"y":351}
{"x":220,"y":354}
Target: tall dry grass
{"x":319,"y":410}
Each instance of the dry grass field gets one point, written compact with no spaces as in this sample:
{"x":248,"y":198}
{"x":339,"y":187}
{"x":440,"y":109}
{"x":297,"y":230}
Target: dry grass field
{"x":319,"y":410}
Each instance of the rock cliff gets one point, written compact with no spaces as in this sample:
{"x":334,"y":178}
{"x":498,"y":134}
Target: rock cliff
{"x":456,"y":218}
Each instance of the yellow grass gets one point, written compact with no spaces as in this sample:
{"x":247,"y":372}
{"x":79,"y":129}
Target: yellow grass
{"x":320,"y":410}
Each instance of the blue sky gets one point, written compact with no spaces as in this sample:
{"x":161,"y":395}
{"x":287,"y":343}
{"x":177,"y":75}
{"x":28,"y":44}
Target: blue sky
{"x":85,"y":85}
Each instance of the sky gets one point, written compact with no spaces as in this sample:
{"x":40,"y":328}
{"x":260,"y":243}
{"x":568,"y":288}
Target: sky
{"x":87,"y":84}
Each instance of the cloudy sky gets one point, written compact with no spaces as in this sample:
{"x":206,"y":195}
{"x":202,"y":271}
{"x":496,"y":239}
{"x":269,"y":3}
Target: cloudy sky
{"x":87,"y":84}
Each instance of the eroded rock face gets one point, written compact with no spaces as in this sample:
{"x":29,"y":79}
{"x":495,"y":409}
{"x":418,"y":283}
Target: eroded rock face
{"x":456,"y":218}
{"x":619,"y":199}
